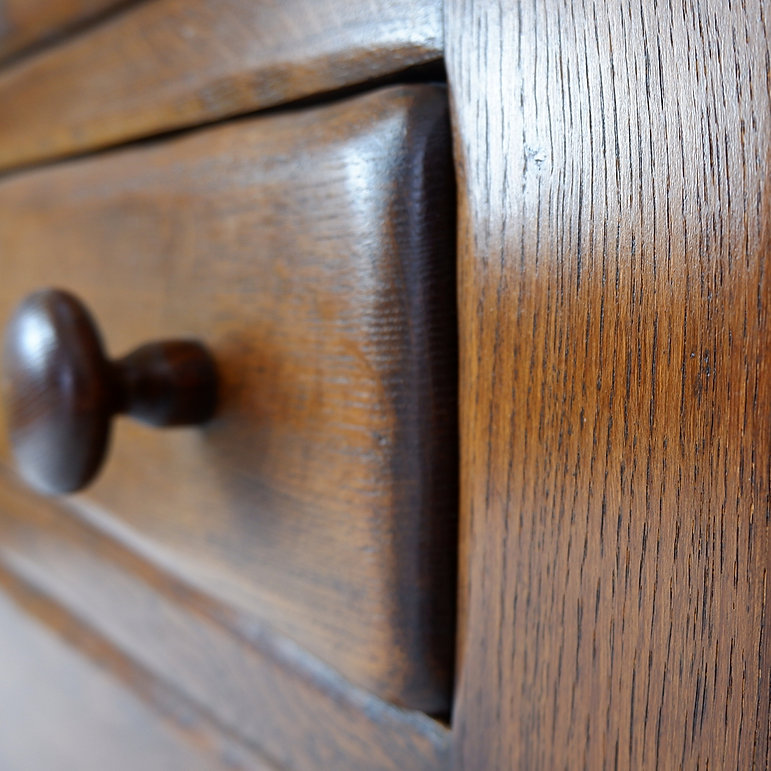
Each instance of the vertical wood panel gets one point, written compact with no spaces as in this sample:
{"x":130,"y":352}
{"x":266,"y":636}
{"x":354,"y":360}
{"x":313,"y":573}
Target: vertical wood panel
{"x":614,"y":296}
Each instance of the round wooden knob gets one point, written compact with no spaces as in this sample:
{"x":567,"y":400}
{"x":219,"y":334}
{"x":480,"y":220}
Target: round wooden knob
{"x":61,"y":392}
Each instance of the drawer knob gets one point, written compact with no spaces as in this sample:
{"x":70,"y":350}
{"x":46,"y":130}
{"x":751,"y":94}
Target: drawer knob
{"x":61,"y":391}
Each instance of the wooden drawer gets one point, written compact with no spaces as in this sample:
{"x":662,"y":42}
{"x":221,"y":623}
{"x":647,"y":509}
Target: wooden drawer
{"x":313,"y":252}
{"x":26,"y":22}
{"x":168,"y":64}
{"x":70,"y":713}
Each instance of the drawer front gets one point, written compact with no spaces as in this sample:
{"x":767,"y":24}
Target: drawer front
{"x":170,"y":64}
{"x":62,"y":710}
{"x":313,"y":253}
{"x":26,"y":22}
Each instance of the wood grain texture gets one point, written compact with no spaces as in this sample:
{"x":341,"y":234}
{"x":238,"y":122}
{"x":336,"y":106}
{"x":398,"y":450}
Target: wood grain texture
{"x":24,"y":22}
{"x":614,"y":314}
{"x":201,"y":665}
{"x":313,"y":254}
{"x":62,"y":711}
{"x":174,"y":63}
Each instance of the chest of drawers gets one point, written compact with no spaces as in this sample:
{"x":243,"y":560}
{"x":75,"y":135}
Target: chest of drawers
{"x":486,"y":286}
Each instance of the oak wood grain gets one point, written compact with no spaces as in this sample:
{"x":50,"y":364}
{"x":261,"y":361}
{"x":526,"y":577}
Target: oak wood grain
{"x":174,"y":63}
{"x":24,"y":22}
{"x":614,"y":314}
{"x":62,"y":710}
{"x":203,"y":665}
{"x":313,"y":254}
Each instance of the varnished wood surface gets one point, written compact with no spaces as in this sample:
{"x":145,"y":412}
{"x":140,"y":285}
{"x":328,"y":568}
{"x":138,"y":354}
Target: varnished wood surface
{"x":201,"y":665}
{"x":614,"y":313}
{"x":24,"y":22}
{"x":168,"y":64}
{"x":62,"y":709}
{"x":313,"y":254}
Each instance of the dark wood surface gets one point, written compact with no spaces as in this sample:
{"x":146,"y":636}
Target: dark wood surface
{"x":168,"y":64}
{"x":217,"y":679}
{"x":25,"y":22}
{"x":614,"y":247}
{"x":61,"y":392}
{"x":313,"y":254}
{"x":614,"y":231}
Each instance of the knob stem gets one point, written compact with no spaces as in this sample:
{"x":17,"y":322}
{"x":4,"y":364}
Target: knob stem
{"x":168,"y":383}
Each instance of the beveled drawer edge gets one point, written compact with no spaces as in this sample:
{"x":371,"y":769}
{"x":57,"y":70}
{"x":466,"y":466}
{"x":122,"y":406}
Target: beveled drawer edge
{"x":262,"y":689}
{"x":189,"y":723}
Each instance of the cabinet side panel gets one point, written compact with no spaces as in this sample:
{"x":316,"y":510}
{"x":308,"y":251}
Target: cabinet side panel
{"x":614,"y":297}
